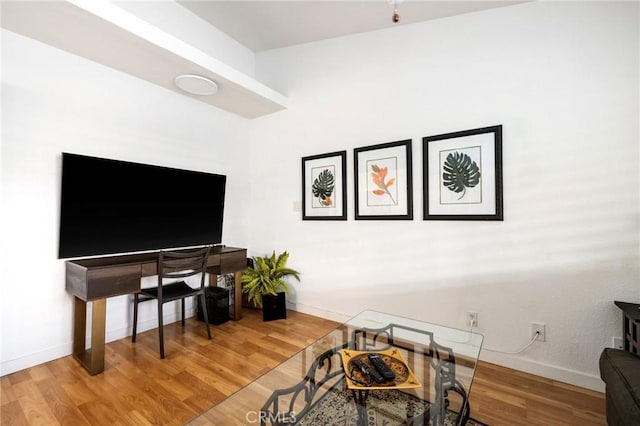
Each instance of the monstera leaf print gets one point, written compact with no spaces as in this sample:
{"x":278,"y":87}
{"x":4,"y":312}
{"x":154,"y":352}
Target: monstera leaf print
{"x":323,"y":187}
{"x":460,"y":173}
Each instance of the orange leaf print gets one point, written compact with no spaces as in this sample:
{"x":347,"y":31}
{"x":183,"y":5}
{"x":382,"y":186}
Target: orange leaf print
{"x":378,"y":176}
{"x":377,"y":179}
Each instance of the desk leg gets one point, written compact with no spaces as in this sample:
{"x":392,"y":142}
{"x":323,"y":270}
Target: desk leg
{"x":237,"y":293}
{"x":79,"y":326}
{"x":237,"y":300}
{"x":92,"y":359}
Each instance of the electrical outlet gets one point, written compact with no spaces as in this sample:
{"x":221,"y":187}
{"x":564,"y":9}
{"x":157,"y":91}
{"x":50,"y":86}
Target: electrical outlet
{"x":472,"y":318}
{"x":538,"y":327}
{"x":616,"y":342}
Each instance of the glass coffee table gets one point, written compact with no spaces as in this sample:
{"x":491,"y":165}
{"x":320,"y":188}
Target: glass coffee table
{"x":432,"y":365}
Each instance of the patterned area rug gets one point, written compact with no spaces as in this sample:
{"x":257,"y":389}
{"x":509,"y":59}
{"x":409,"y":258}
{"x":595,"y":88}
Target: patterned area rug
{"x":383,"y":409}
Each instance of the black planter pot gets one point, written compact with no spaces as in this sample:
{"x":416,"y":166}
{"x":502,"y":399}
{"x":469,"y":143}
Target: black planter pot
{"x":274,"y":307}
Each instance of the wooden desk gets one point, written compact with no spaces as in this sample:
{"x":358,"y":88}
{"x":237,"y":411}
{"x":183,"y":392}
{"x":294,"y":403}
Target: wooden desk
{"x":96,"y":279}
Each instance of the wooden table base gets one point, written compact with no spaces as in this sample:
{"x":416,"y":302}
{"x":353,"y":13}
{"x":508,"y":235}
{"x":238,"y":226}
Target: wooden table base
{"x":93,"y":358}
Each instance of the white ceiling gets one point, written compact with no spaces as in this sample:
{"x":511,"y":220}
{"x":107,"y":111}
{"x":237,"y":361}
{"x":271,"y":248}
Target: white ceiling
{"x":144,"y":51}
{"x":265,"y":24}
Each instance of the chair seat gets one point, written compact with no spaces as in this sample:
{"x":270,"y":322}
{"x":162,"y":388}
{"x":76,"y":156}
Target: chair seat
{"x":173,"y":291}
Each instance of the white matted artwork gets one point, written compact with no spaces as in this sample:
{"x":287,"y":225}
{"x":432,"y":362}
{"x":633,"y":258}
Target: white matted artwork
{"x":383,"y":181}
{"x":324,"y":194}
{"x":462,"y":174}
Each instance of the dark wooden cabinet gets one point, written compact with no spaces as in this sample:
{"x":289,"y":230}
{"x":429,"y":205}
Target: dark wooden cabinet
{"x":630,"y":326}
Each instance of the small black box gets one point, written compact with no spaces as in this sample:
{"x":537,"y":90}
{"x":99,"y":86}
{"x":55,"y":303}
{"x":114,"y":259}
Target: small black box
{"x":217,"y":305}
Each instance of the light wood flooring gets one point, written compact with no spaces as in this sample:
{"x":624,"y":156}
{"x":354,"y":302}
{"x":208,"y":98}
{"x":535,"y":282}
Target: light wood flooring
{"x":137,"y":388}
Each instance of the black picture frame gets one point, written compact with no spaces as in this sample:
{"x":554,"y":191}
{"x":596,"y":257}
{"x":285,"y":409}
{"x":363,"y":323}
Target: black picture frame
{"x":383,"y":178}
{"x":321,"y":202}
{"x":465,"y":164}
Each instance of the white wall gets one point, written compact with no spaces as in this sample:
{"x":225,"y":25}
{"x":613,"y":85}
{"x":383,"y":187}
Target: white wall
{"x":54,"y":102}
{"x":562,"y":78}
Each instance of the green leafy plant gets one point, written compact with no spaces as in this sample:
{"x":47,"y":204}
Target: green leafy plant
{"x":323,"y":187}
{"x":460,"y":173}
{"x":267,"y":277}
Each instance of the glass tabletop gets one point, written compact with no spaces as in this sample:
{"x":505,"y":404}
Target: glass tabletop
{"x":433,"y":368}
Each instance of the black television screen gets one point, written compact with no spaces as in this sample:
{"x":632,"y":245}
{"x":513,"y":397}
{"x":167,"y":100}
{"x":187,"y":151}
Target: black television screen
{"x":109,"y":206}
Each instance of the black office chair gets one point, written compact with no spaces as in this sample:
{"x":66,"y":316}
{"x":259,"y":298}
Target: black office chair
{"x":172,"y":265}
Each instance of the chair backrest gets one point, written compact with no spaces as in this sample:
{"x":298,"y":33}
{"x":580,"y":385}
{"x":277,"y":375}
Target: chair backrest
{"x":182,"y":264}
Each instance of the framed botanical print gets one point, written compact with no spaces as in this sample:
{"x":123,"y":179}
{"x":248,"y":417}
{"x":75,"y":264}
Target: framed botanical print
{"x":462,"y":175}
{"x":383,"y":181}
{"x":324,"y":184}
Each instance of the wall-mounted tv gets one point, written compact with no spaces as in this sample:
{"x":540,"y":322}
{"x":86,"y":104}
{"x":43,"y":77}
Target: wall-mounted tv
{"x":109,"y":206}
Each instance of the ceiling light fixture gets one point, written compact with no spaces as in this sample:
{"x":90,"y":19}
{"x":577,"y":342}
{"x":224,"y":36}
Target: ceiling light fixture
{"x":196,"y":84}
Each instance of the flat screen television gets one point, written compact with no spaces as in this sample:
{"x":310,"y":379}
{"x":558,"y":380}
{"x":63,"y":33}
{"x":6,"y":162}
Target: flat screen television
{"x":110,"y":206}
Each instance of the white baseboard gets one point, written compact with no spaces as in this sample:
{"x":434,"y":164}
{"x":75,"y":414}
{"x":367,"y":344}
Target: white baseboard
{"x":66,"y":349}
{"x":310,"y":310}
{"x":561,"y":374}
{"x":565,"y":375}
{"x":576,"y":378}
{"x":31,"y":360}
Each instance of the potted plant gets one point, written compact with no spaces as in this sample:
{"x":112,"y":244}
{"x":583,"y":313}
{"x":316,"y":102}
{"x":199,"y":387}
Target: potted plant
{"x":266,"y":286}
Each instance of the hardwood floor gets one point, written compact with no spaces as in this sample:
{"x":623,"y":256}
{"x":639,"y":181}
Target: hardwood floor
{"x":502,"y":396}
{"x":138,"y":388}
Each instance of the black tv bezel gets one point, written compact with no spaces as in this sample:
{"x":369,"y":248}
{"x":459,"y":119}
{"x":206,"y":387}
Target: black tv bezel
{"x":213,"y":237}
